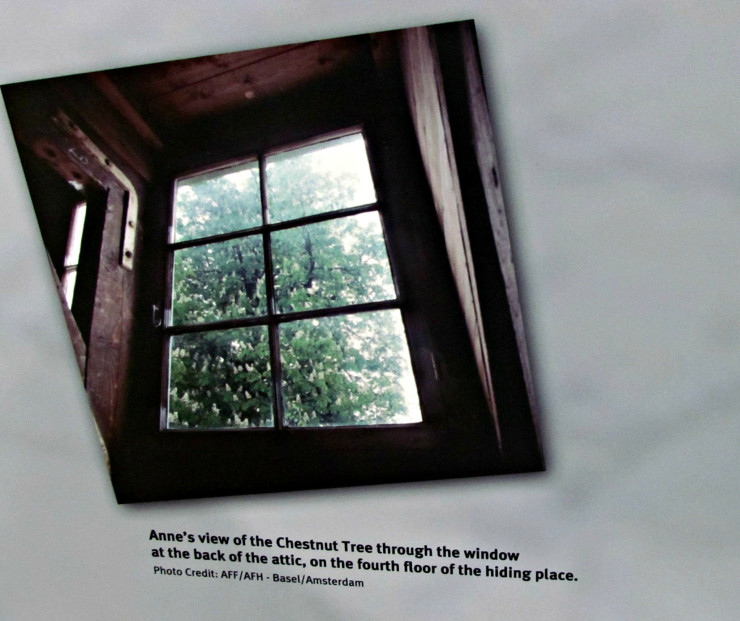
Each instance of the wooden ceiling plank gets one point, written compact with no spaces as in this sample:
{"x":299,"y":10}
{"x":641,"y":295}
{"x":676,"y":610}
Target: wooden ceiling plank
{"x":161,"y":78}
{"x":120,"y":103}
{"x":269,"y":77}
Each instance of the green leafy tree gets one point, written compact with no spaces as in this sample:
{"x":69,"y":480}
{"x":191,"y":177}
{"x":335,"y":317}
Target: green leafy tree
{"x":336,"y":370}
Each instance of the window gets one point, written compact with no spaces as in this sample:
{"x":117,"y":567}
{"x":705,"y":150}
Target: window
{"x":284,"y":311}
{"x":72,"y":255}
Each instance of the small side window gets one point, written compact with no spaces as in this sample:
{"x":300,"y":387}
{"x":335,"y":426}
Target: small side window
{"x":72,"y":254}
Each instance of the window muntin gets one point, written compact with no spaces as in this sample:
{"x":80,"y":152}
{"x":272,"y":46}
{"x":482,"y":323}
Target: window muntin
{"x":290,"y":319}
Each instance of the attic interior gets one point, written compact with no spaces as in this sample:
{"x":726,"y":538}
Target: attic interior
{"x":116,"y":140}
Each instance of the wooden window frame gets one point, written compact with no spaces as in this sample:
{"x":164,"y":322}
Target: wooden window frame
{"x":272,"y":318}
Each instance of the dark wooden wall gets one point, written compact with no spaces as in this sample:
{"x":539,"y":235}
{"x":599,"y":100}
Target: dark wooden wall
{"x":48,"y":118}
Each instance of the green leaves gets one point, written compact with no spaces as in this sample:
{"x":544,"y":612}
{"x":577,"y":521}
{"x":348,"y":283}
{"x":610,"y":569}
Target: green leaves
{"x":224,"y":280}
{"x":347,"y":370}
{"x":218,"y":202}
{"x":220,"y":378}
{"x":335,"y":263}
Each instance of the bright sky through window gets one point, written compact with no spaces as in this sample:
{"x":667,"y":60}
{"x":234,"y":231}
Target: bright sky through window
{"x":72,"y":255}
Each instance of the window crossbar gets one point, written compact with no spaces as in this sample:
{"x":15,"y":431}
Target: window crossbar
{"x":277,"y":226}
{"x":280,"y":318}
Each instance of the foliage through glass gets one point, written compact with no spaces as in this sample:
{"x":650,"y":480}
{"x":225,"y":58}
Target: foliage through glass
{"x":315,"y":336}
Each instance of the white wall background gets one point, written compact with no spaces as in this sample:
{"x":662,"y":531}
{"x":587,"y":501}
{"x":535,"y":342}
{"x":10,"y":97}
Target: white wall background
{"x":620,"y":140}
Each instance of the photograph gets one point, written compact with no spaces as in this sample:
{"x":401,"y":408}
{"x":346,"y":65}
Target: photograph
{"x":285,"y":268}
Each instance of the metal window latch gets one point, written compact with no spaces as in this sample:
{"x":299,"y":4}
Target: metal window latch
{"x":156,"y":316}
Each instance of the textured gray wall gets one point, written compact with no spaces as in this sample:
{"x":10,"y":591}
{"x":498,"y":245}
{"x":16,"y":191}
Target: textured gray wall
{"x":619,"y":138}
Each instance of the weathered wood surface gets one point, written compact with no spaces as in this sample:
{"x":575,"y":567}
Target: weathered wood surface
{"x":428,"y":107}
{"x":78,"y":343}
{"x":118,"y":100}
{"x":109,"y":346}
{"x":484,"y":144}
{"x":177,"y":92}
{"x":83,"y":100}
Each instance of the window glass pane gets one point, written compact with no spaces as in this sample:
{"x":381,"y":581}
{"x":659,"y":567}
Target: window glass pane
{"x":347,"y":370}
{"x":218,"y":202}
{"x":225,"y":280}
{"x":333,"y":263}
{"x":74,"y":241}
{"x":327,"y":176}
{"x":220,"y":379}
{"x":72,"y":256}
{"x":69,"y":280}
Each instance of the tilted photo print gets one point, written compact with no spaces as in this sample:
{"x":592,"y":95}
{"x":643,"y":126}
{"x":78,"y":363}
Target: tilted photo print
{"x":286,"y":268}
